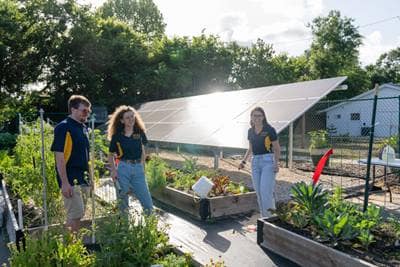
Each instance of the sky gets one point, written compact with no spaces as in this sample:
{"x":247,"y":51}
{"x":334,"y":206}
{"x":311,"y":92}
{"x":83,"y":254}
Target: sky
{"x":281,"y":22}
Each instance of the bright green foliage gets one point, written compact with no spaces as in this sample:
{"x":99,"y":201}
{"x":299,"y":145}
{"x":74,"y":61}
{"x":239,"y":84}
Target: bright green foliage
{"x":25,"y":176}
{"x":386,"y":69}
{"x":101,"y":152}
{"x":133,"y":241}
{"x":155,"y":173}
{"x":310,"y":198}
{"x":189,"y":165}
{"x":142,"y":15}
{"x":50,"y":249}
{"x":172,"y":260}
{"x":332,"y":219}
{"x":318,"y":139}
{"x":335,"y":227}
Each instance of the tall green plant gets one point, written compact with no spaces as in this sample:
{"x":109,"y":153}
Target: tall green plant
{"x":318,"y":139}
{"x":334,"y":227}
{"x":133,"y":241}
{"x":156,"y":173}
{"x":311,"y":199}
{"x":25,"y":176}
{"x":52,"y":248}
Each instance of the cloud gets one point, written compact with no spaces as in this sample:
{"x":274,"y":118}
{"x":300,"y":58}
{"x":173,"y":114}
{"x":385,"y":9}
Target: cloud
{"x":373,"y":47}
{"x":282,"y":23}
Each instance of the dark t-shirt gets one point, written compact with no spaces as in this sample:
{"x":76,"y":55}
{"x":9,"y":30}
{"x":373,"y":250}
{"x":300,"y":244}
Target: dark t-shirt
{"x":71,"y":138}
{"x":128,"y":148}
{"x":262,"y":143}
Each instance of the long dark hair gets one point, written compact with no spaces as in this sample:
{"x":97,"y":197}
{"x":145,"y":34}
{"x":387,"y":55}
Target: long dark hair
{"x":261,"y":110}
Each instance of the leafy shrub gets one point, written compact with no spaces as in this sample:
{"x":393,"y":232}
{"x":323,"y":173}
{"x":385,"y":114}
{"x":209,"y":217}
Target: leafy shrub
{"x":318,"y":139}
{"x":131,"y":241}
{"x":390,"y":141}
{"x":24,"y":175}
{"x":335,"y":227}
{"x":190,"y":164}
{"x":172,"y":260}
{"x":156,"y":169}
{"x":52,"y":248}
{"x":310,"y":198}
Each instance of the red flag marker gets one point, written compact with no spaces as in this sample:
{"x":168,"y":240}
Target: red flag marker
{"x":321,"y":165}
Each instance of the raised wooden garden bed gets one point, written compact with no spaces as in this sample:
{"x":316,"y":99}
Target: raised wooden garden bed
{"x":210,"y":207}
{"x":299,"y":249}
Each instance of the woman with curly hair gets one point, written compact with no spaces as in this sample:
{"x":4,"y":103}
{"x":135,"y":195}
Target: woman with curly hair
{"x":126,"y":132}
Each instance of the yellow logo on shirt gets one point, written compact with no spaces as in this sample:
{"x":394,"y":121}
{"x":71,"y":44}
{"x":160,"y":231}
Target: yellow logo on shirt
{"x":267,"y":143}
{"x":135,"y":136}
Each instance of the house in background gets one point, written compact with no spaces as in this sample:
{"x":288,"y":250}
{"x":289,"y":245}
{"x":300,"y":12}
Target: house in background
{"x":353,"y":117}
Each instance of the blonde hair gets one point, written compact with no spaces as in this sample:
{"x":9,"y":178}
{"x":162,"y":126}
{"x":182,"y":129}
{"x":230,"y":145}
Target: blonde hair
{"x":114,"y":121}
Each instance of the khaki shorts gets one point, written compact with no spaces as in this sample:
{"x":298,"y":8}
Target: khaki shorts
{"x":75,"y":205}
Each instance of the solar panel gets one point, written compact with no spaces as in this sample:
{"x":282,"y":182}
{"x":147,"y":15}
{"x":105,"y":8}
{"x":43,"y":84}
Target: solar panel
{"x":222,"y":119}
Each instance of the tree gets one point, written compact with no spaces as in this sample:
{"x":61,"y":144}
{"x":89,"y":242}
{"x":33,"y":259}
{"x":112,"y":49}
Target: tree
{"x":102,"y":59}
{"x":142,"y":15}
{"x":386,"y":69}
{"x":258,"y":65}
{"x":20,"y":59}
{"x":334,"y":47}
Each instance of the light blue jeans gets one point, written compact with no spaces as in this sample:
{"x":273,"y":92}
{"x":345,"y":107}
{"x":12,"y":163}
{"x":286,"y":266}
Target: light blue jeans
{"x":131,"y":179}
{"x":263,"y":175}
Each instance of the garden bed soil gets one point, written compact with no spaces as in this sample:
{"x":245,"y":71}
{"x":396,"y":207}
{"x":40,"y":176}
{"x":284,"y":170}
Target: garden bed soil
{"x":342,"y":174}
{"x":378,"y":254}
{"x":210,"y":207}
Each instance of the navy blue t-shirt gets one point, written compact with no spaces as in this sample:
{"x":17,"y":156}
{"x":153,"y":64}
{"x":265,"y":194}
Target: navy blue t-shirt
{"x":262,"y":143}
{"x":71,"y":138}
{"x":128,"y":148}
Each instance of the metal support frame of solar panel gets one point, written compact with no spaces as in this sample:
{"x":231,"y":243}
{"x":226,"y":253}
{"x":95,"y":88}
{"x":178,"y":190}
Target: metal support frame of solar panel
{"x":222,"y":119}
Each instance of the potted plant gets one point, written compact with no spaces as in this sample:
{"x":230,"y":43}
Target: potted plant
{"x":318,"y":145}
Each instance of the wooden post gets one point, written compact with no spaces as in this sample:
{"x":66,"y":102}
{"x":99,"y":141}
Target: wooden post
{"x":291,"y":145}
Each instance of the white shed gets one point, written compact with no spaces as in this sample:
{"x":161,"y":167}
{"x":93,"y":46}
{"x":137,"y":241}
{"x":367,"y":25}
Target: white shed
{"x":353,"y":117}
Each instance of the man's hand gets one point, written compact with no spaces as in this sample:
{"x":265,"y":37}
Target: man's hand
{"x":66,"y":189}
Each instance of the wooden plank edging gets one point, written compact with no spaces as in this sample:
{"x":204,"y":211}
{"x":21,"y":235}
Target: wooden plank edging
{"x":303,"y":251}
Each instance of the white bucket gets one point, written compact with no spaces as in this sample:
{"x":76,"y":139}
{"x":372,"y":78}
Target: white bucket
{"x":203,"y":186}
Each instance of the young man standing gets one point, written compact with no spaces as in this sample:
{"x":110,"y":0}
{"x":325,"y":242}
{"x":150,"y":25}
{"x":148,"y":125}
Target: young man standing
{"x":71,"y":149}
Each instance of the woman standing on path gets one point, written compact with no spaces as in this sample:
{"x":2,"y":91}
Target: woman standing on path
{"x":264,"y":146}
{"x":126,"y":132}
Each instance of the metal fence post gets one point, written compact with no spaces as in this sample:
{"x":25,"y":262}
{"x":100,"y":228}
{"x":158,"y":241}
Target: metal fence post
{"x":398,"y":129}
{"x":41,"y":111}
{"x":92,"y":158}
{"x":371,"y":141}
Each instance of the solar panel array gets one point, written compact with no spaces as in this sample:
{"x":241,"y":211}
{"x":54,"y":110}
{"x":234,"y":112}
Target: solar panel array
{"x":222,"y":119}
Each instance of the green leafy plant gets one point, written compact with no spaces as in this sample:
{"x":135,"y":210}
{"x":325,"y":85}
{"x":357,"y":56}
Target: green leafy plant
{"x":172,"y":260}
{"x":190,"y":164}
{"x":310,"y":198}
{"x":335,"y":228}
{"x":25,"y":174}
{"x":318,"y":139}
{"x":52,"y":248}
{"x":131,"y":241}
{"x":156,"y":170}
